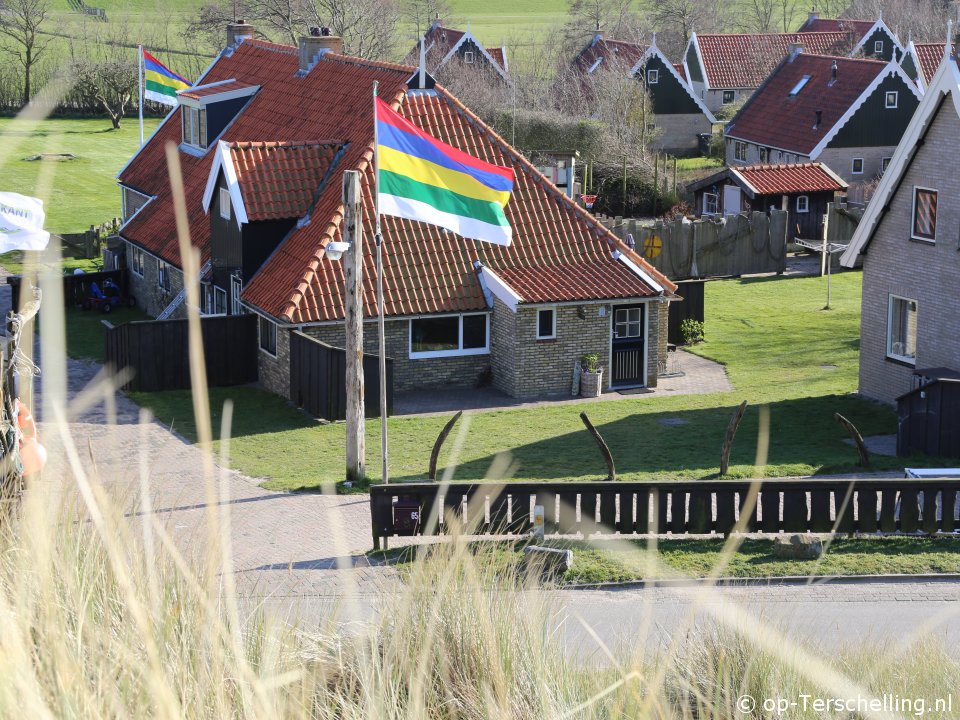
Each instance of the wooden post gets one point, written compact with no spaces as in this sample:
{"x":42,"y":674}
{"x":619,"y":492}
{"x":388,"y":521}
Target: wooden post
{"x":432,"y":473}
{"x":604,"y":450}
{"x":728,"y":438}
{"x":353,"y":322}
{"x":674,"y":176}
{"x":864,"y":455}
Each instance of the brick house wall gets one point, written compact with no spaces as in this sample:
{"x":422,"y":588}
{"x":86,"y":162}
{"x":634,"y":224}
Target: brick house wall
{"x":927,"y":273}
{"x":504,"y":326}
{"x":274,"y":371}
{"x":151,"y":298}
{"x":840,"y":160}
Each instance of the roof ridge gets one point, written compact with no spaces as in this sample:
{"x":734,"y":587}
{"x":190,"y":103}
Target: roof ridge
{"x":364,"y":62}
{"x":244,"y":144}
{"x":271,"y":46}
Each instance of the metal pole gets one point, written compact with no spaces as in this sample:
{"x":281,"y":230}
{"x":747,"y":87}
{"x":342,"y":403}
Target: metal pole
{"x":140,"y":84}
{"x":381,"y":337}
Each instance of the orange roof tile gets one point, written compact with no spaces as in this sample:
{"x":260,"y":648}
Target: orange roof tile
{"x":929,"y":57}
{"x":780,"y":179}
{"x":858,"y":27}
{"x":619,"y":52}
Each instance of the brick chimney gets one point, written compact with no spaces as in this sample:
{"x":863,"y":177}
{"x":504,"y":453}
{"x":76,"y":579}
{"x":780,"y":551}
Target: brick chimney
{"x":794,"y":49}
{"x":238,"y":31}
{"x":319,"y":41}
{"x":812,"y":15}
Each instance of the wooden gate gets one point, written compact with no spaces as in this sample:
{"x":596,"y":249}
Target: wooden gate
{"x":929,"y":420}
{"x":318,"y":379}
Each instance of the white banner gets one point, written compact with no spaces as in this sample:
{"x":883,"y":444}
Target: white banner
{"x":21,"y":223}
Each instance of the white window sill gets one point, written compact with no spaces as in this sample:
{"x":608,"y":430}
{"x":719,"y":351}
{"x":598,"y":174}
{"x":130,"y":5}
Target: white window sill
{"x":448,"y":353}
{"x":902,"y":359}
{"x":928,"y":241}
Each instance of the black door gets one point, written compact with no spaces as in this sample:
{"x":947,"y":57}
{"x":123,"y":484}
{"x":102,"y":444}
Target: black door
{"x":628,"y":341}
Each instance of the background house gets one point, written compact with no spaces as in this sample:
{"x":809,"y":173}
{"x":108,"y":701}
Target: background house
{"x":846,"y":113}
{"x":921,"y":60}
{"x":874,"y":38}
{"x":443,"y":45}
{"x":263,"y":192}
{"x":802,"y":190}
{"x":910,"y":309}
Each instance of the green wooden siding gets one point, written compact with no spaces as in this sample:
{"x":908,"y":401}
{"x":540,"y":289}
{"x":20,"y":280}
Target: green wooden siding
{"x":693,"y":65}
{"x":669,"y":95}
{"x":910,"y":67}
{"x":874,"y":125}
{"x":889,"y":47}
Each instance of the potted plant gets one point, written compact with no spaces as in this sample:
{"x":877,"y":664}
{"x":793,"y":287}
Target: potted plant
{"x":591,"y":375}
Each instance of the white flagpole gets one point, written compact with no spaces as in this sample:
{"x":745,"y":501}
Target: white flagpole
{"x":140,"y":84}
{"x":380,"y":332}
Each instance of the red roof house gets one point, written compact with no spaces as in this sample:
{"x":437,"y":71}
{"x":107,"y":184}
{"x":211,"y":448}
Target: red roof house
{"x":442,"y":44}
{"x":263,"y":191}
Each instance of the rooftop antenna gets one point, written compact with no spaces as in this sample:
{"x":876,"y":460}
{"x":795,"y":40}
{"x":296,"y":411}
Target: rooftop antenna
{"x":423,"y":62}
{"x":653,"y":41}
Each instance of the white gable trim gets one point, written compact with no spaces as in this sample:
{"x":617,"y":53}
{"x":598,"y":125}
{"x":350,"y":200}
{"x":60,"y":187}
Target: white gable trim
{"x":640,"y":272}
{"x":653,"y":50}
{"x":222,"y":160}
{"x":892,"y":68}
{"x":945,"y":81}
{"x":911,"y":52}
{"x":703,"y":68}
{"x":467,"y":35}
{"x":215,"y":97}
{"x":878,"y":25}
{"x":499,"y":288}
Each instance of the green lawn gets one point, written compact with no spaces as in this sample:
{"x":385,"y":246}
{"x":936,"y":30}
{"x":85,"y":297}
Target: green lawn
{"x":780,"y":348}
{"x":636,"y":560}
{"x":76,"y":193}
{"x":15,"y":262}
{"x":85,"y":330}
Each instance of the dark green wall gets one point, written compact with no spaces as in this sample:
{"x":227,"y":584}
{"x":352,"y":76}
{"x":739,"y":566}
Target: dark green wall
{"x":693,"y":65}
{"x":910,"y":67}
{"x":889,"y":47}
{"x":669,"y":95}
{"x":873,"y":124}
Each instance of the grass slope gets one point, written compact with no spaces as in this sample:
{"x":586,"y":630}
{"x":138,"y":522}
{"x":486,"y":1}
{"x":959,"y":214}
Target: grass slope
{"x":76,"y":193}
{"x":771,"y":334}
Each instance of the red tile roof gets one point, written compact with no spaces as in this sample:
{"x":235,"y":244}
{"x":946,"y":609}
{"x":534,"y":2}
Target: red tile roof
{"x":775,"y":118}
{"x":426,"y":269}
{"x":786,"y":179}
{"x":745,"y":61}
{"x":681,"y":71}
{"x":499,"y":55}
{"x":206,"y":90}
{"x":280,"y":180}
{"x":929,"y":57}
{"x":619,"y":52}
{"x":858,"y":27}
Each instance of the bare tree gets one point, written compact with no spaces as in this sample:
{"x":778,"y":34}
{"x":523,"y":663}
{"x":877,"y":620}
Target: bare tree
{"x":420,"y":14}
{"x":923,"y":20}
{"x":368,"y":27}
{"x":285,"y":18}
{"x":477,"y":86}
{"x":111,"y":84}
{"x":208,"y":26}
{"x":21,"y":20}
{"x":788,"y":10}
{"x":760,"y":15}
{"x":674,"y":20}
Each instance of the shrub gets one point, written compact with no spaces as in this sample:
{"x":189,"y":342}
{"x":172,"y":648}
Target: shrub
{"x":590,"y":362}
{"x":692,"y":331}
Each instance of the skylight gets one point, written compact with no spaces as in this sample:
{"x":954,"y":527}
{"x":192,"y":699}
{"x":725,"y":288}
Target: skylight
{"x":799,"y":86}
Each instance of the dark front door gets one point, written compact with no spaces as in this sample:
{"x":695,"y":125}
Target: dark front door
{"x":628,"y":342}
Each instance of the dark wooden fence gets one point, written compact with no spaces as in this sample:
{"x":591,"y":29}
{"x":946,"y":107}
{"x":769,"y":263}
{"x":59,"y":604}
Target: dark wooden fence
{"x":157,"y":352}
{"x":929,"y":420}
{"x":654,"y":507}
{"x":691,"y":307}
{"x":76,"y":287}
{"x":318,"y":379}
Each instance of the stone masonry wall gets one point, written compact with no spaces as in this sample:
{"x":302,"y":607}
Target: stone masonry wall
{"x":503,"y":347}
{"x":924,"y":272}
{"x":275,"y":371}
{"x":679,"y":132}
{"x":151,"y":298}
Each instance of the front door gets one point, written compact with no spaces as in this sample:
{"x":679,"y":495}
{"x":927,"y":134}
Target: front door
{"x":628,"y":344}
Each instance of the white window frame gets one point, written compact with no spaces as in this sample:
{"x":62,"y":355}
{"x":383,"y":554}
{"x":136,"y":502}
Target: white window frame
{"x":895,"y":94}
{"x":723,"y":97}
{"x":553,"y":323}
{"x":460,"y":352}
{"x":913,"y":215}
{"x":891,"y":302}
{"x":653,"y":76}
{"x":236,"y":288}
{"x":739,"y":145}
{"x":468,"y":56}
{"x":764,"y":154}
{"x":194,"y":126}
{"x":136,"y":261}
{"x":878,"y":47}
{"x":163,"y":272}
{"x":804,"y":206}
{"x":884,"y":164}
{"x":716,"y":203}
{"x":853,"y":166}
{"x":225,"y":203}
{"x":261,"y":320}
{"x":218,"y":293}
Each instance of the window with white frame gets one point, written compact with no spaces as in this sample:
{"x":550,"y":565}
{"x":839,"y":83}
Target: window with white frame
{"x":740,"y":151}
{"x":236,"y":286}
{"x":546,"y":324}
{"x":924,"y":225}
{"x":468,"y":56}
{"x":856,"y":167}
{"x":225,"y":203}
{"x":764,"y":154}
{"x":448,"y":335}
{"x":728,"y":96}
{"x":163,"y":275}
{"x":136,"y":261}
{"x":890,"y":99}
{"x":194,"y":126}
{"x":902,"y":329}
{"x":653,"y":77}
{"x":803,"y":204}
{"x":711,"y":203}
{"x":268,"y":336}
{"x":878,"y":47}
{"x":219,"y":301}
{"x":628,"y":323}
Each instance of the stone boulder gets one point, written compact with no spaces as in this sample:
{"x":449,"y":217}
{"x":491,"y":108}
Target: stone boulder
{"x":546,"y":562}
{"x":798,"y":547}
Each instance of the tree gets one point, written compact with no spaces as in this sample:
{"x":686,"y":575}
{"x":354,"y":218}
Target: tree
{"x":21,"y":20}
{"x":760,"y":15}
{"x":110,"y":83}
{"x":368,"y":27}
{"x":208,"y":26}
{"x":674,"y":20}
{"x":286,"y":17}
{"x":420,"y":14}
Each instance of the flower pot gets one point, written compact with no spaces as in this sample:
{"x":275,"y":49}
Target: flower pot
{"x":591,"y":383}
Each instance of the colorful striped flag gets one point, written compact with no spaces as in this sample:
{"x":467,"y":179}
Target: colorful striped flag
{"x":161,"y":83}
{"x":421,"y":178}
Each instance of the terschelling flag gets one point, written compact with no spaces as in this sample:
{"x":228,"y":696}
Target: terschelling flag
{"x":21,"y":223}
{"x":421,"y":178}
{"x":160,"y":82}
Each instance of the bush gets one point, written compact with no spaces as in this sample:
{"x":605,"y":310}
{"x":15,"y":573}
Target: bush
{"x":692,"y":331}
{"x":590,"y":362}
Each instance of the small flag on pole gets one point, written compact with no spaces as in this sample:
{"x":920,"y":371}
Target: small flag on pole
{"x":21,"y":223}
{"x":421,"y":178}
{"x":161,"y":83}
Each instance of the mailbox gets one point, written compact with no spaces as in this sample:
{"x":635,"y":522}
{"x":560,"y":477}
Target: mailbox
{"x":406,"y":516}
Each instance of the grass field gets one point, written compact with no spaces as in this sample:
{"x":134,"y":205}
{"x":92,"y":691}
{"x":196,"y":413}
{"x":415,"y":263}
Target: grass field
{"x":625,"y":561}
{"x":779,"y":346}
{"x":76,"y":193}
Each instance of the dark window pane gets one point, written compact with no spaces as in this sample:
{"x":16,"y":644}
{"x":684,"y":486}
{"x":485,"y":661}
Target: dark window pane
{"x":925,"y":214}
{"x":434,"y":334}
{"x":474,"y":332}
{"x":545,"y":323}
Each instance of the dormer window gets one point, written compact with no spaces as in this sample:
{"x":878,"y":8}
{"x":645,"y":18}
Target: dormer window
{"x":208,"y":109}
{"x":195,"y":127}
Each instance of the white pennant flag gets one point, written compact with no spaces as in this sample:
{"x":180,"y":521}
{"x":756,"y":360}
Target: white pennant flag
{"x":21,"y":223}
